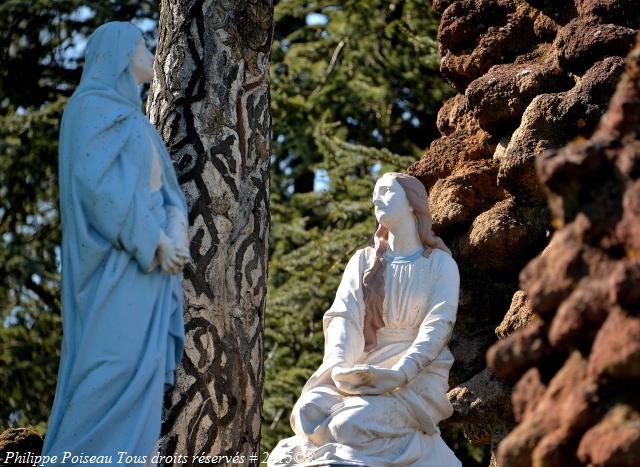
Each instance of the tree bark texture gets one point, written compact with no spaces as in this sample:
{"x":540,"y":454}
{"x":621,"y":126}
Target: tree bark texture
{"x":210,"y":102}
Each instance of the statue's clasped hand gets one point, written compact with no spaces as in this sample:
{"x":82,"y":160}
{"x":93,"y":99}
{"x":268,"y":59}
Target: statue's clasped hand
{"x":367,"y":379}
{"x":171,"y":256}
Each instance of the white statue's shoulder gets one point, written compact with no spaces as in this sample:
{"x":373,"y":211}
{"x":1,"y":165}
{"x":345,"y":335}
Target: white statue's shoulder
{"x":443,"y":263}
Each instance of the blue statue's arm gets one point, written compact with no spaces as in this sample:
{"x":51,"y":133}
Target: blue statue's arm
{"x":113,"y":185}
{"x":140,"y":234}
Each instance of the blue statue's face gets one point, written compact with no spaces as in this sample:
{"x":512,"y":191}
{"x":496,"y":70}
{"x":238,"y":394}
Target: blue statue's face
{"x":142,"y":63}
{"x":390,"y":202}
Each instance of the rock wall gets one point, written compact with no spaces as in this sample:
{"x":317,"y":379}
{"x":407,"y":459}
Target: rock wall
{"x":576,"y":402}
{"x":19,"y":446}
{"x":531,"y":76}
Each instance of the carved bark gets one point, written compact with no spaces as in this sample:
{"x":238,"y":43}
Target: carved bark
{"x":210,"y":102}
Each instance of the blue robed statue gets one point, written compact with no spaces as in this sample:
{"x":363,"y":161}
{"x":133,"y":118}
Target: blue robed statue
{"x":124,"y":243}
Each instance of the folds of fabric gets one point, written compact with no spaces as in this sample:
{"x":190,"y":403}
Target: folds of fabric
{"x":123,"y":329}
{"x":399,"y":428}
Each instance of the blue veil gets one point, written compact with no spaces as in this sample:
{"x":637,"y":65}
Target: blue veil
{"x":123,"y":328}
{"x":107,"y":63}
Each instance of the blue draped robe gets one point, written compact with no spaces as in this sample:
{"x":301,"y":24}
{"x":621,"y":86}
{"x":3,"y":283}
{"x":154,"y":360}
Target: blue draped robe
{"x":123,"y":328}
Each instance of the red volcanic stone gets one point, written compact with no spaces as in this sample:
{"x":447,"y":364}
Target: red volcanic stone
{"x":517,"y":447}
{"x":458,"y":198}
{"x":569,"y":176}
{"x":550,"y":120}
{"x":585,"y":41}
{"x":525,"y":348}
{"x":518,"y":316}
{"x":544,"y":418}
{"x":582,"y":410}
{"x":580,"y":315}
{"x":20,"y":440}
{"x":548,"y":69}
{"x":628,"y":160}
{"x":468,"y":143}
{"x":627,"y":231}
{"x":549,"y":278}
{"x":504,"y":229}
{"x":624,"y":285}
{"x":468,"y":349}
{"x":545,"y":27}
{"x":465,"y":20}
{"x":452,"y":114}
{"x":480,"y":399}
{"x":505,"y":91}
{"x":615,"y":441}
{"x":624,"y":12}
{"x":510,"y":33}
{"x":615,"y":354}
{"x":439,"y":6}
{"x":555,"y":449}
{"x":478,"y":434}
{"x":623,"y":116}
{"x":527,"y":393}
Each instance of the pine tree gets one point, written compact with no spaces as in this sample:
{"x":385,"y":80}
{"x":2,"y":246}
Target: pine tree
{"x":211,"y":106}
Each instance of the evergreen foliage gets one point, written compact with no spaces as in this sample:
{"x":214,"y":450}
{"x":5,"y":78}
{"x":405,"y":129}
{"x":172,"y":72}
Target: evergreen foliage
{"x":372,"y":65}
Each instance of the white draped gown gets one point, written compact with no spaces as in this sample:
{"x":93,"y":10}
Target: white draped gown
{"x":398,"y":428}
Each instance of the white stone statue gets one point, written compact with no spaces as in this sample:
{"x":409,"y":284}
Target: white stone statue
{"x":380,"y":392}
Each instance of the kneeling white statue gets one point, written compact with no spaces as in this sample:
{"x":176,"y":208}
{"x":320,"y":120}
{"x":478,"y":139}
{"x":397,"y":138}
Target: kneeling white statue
{"x":380,"y":392}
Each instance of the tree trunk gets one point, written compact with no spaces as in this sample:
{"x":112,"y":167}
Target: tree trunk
{"x":210,"y":102}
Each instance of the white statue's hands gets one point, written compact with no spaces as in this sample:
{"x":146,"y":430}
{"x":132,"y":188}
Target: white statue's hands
{"x":171,"y":256}
{"x":367,"y":379}
{"x":341,"y":376}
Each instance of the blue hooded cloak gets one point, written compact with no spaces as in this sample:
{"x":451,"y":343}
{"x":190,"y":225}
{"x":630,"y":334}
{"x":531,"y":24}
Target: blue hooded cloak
{"x":123,"y":328}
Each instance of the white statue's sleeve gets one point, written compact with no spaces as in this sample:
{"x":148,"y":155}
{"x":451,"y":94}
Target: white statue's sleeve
{"x":436,"y":328}
{"x":344,"y":341}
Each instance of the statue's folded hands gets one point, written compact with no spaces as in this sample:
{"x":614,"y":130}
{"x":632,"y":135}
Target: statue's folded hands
{"x":367,"y":379}
{"x":171,"y":255}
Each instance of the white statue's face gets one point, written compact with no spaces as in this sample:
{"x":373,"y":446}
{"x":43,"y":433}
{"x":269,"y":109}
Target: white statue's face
{"x":142,"y":63}
{"x":390,"y":202}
